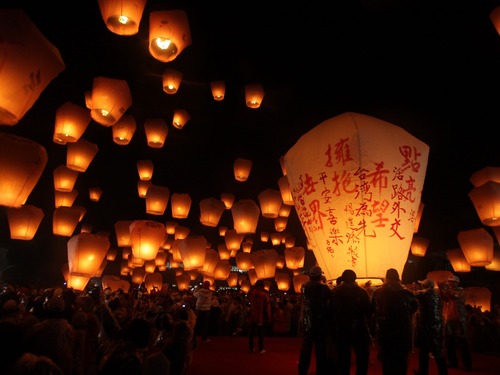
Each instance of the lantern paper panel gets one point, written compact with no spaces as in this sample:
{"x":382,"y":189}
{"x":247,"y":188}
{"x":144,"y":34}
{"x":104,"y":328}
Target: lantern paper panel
{"x":24,"y":221}
{"x":29,"y":63}
{"x":122,"y":17}
{"x":356,"y":183}
{"x":22,"y":162}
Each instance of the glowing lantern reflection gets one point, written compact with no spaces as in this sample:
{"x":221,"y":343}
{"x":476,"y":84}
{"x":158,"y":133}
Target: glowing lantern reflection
{"x":356,"y":183}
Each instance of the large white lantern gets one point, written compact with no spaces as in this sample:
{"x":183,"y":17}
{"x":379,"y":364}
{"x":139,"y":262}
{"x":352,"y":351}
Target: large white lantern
{"x":356,"y":183}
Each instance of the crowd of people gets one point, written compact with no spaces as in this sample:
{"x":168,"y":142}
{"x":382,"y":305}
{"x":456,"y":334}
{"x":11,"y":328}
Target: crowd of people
{"x":96,"y":331}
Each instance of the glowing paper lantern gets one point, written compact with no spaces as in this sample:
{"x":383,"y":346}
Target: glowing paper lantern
{"x":228,"y":199}
{"x":153,"y":282}
{"x":22,"y":162}
{"x":180,"y":119}
{"x":478,"y":296}
{"x":218,"y":90}
{"x":95,"y":193}
{"x":142,"y":187}
{"x":245,"y":215}
{"x":280,"y":223}
{"x":458,"y":260}
{"x":156,"y":132}
{"x":193,"y":250}
{"x":169,"y":34}
{"x":146,"y":237}
{"x":181,"y":232}
{"x":145,"y":169}
{"x":244,"y":261}
{"x":477,"y":246}
{"x":180,"y":204}
{"x":65,"y":198}
{"x":80,"y":154}
{"x":264,"y":262}
{"x":232,"y":279}
{"x":241,"y":169}
{"x":111,"y":98}
{"x":282,"y":281}
{"x":254,"y":94}
{"x":161,"y":258}
{"x":86,"y":252}
{"x":486,"y":200}
{"x":29,"y":63}
{"x":484,"y":175}
{"x":298,"y":281}
{"x":183,"y":281}
{"x":233,"y":239}
{"x":222,"y":270}
{"x":211,"y":210}
{"x":114,"y":283}
{"x":122,"y":232}
{"x":286,"y":192}
{"x":24,"y":221}
{"x":157,"y":199}
{"x":495,"y":18}
{"x":124,"y":130}
{"x":270,"y":202}
{"x":71,"y":122}
{"x":65,"y":220}
{"x":294,"y":257}
{"x":138,"y":275}
{"x":224,"y":252}
{"x":212,"y":257}
{"x":246,"y":246}
{"x":356,"y":182}
{"x":77,"y":282}
{"x":419,"y":246}
{"x":172,"y":79}
{"x":122,"y":17}
{"x":64,"y":178}
{"x":111,"y":254}
{"x":245,"y":286}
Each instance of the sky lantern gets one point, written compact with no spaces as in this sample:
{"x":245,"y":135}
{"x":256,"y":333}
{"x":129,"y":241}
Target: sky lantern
{"x":419,"y":246}
{"x":228,"y":199}
{"x":183,"y":281}
{"x":211,"y":210}
{"x":232,"y":279}
{"x":294,"y":257}
{"x":458,"y":260}
{"x":270,"y":202}
{"x":285,"y":191}
{"x":24,"y":221}
{"x":495,"y":18}
{"x":477,"y":246}
{"x":169,"y":34}
{"x":124,"y":130}
{"x":142,"y":187}
{"x":157,"y":198}
{"x":356,"y":183}
{"x":153,"y":282}
{"x":111,"y":98}
{"x":244,"y":260}
{"x":180,"y":204}
{"x":212,"y":257}
{"x":241,"y":169}
{"x":282,"y":281}
{"x":298,"y":281}
{"x":254,"y":94}
{"x":95,"y":193}
{"x":156,"y":132}
{"x":222,"y":270}
{"x":478,"y":297}
{"x":146,"y":237}
{"x":245,"y":215}
{"x":86,"y":252}
{"x":65,"y":198}
{"x":172,"y":79}
{"x":122,"y":17}
{"x":193,"y":250}
{"x":80,"y":154}
{"x":22,"y":162}
{"x":218,"y":89}
{"x":29,"y":63}
{"x":71,"y":122}
{"x":122,"y":232}
{"x":65,"y":220}
{"x":233,"y":239}
{"x":181,"y":117}
{"x":264,"y":262}
{"x":64,"y":178}
{"x":114,"y":283}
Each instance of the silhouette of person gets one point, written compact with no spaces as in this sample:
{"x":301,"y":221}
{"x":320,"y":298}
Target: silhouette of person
{"x":260,"y":315}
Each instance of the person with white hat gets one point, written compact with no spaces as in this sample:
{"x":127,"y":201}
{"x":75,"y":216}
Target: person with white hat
{"x":455,"y":323}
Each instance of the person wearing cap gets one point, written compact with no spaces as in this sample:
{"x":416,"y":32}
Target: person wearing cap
{"x":429,"y":329}
{"x":316,"y":323}
{"x":394,"y":306}
{"x":455,"y":323}
{"x":203,"y":297}
{"x":352,"y":312}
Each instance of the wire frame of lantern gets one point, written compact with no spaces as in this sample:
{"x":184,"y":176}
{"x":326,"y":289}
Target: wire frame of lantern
{"x":111,"y":98}
{"x":478,"y":297}
{"x":298,"y":281}
{"x":180,"y":203}
{"x":65,"y":198}
{"x":180,"y":119}
{"x":254,"y":94}
{"x":169,"y":34}
{"x":157,"y":199}
{"x":65,"y":220}
{"x":146,"y":237}
{"x":64,"y":178}
{"x":181,"y":232}
{"x":245,"y":215}
{"x":122,"y":17}
{"x":270,"y":202}
{"x":212,"y":257}
{"x":156,"y":132}
{"x":193,"y":250}
{"x":285,"y":190}
{"x":95,"y":193}
{"x":71,"y":122}
{"x":86,"y":252}
{"x":227,"y":199}
{"x":183,"y":281}
{"x":486,"y":200}
{"x":233,"y":239}
{"x":22,"y":162}
{"x":224,"y":252}
{"x":142,"y":187}
{"x":232,"y":279}
{"x":294,"y":257}
{"x":477,"y":246}
{"x":211,"y":210}
{"x":419,"y":246}
{"x":29,"y":63}
{"x":124,"y":130}
{"x":122,"y":232}
{"x":222,"y":270}
{"x":218,"y":89}
{"x":283,"y":281}
{"x":80,"y":154}
{"x":171,"y":79}
{"x":280,"y":223}
{"x":145,"y":169}
{"x":264,"y":262}
{"x":24,"y":221}
{"x":244,"y":261}
{"x":241,"y":169}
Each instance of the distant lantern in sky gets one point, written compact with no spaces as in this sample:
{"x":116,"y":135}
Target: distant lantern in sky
{"x":211,"y":210}
{"x":477,"y":246}
{"x":71,"y":122}
{"x":254,"y":94}
{"x":157,"y":198}
{"x":111,"y":98}
{"x":143,"y":186}
{"x":65,"y":220}
{"x":24,"y":221}
{"x":486,"y":200}
{"x":180,"y":204}
{"x":458,"y":260}
{"x":124,"y":130}
{"x":419,"y":246}
{"x":29,"y":63}
{"x":180,"y":119}
{"x":171,"y":79}
{"x":22,"y":162}
{"x":145,"y":169}
{"x":65,"y":198}
{"x":218,"y":90}
{"x":270,"y":202}
{"x":156,"y":132}
{"x":95,"y":193}
{"x":286,"y":192}
{"x":228,"y":199}
{"x":193,"y":251}
{"x":357,"y":182}
{"x":64,"y":178}
{"x":80,"y":154}
{"x":245,"y":215}
{"x":122,"y":17}
{"x":241,"y":169}
{"x":264,"y":263}
{"x":169,"y":34}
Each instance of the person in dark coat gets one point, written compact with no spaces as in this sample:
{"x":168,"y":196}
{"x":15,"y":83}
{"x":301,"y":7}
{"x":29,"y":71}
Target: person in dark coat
{"x":352,"y":312}
{"x":316,"y":321}
{"x":259,"y":315}
{"x":393,"y":305}
{"x":429,"y":329}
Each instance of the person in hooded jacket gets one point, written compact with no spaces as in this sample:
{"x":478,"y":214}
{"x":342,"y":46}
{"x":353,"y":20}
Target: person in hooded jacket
{"x":203,"y":297}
